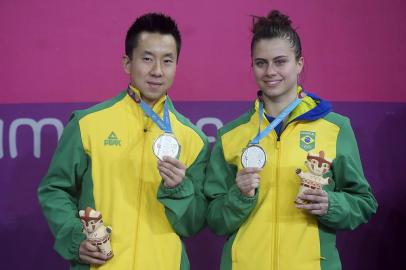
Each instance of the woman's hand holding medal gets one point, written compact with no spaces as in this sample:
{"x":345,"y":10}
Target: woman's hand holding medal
{"x":247,"y":181}
{"x":172,"y":171}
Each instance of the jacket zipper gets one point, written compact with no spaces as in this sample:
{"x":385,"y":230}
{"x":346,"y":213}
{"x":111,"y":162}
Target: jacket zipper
{"x":275,"y":257}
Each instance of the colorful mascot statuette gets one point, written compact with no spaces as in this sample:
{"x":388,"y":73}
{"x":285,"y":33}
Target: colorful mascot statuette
{"x":95,"y":231}
{"x":317,"y":165}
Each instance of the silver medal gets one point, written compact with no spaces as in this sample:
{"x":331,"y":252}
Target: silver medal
{"x":253,"y":156}
{"x":166,"y":145}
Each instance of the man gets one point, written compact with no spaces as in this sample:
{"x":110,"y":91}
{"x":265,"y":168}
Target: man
{"x":135,"y":159}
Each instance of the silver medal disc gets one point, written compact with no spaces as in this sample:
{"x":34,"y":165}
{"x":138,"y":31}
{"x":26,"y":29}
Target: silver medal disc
{"x":166,"y":145}
{"x":253,"y":156}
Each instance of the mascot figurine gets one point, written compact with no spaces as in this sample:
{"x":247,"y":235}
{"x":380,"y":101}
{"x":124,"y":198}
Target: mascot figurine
{"x":95,"y":231}
{"x":317,"y":165}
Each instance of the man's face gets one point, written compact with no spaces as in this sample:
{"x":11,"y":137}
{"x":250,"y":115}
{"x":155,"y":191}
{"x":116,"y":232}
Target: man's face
{"x":152,"y":67}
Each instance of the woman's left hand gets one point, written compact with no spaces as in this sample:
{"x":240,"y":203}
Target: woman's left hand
{"x":318,"y":202}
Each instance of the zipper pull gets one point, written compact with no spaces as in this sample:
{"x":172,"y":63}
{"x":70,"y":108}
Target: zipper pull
{"x":147,"y":123}
{"x":278,"y":143}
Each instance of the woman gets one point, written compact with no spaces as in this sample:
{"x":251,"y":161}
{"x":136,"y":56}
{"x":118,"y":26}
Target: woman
{"x":253,"y":175}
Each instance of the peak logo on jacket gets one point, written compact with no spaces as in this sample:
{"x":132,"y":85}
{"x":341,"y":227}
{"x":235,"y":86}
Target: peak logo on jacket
{"x":112,"y":140}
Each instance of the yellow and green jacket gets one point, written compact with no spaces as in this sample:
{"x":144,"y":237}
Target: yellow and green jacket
{"x":105,"y":160}
{"x":267,"y":231}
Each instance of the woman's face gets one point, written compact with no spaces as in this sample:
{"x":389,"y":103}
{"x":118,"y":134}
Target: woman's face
{"x":276,"y":68}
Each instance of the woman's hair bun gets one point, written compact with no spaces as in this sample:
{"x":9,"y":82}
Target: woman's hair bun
{"x":277,"y":18}
{"x":274,"y":20}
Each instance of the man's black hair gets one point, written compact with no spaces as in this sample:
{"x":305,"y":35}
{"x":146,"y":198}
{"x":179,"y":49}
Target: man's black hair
{"x":152,"y":23}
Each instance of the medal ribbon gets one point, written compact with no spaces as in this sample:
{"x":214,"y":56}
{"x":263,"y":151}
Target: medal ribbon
{"x":164,"y":124}
{"x":275,"y":122}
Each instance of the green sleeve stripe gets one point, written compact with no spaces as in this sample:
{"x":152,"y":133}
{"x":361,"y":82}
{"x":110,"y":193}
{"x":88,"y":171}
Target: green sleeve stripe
{"x":330,"y":258}
{"x":226,"y":260}
{"x":87,"y":196}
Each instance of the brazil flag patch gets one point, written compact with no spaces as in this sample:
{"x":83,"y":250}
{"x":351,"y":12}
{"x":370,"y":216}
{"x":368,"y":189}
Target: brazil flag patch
{"x":307,"y":140}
